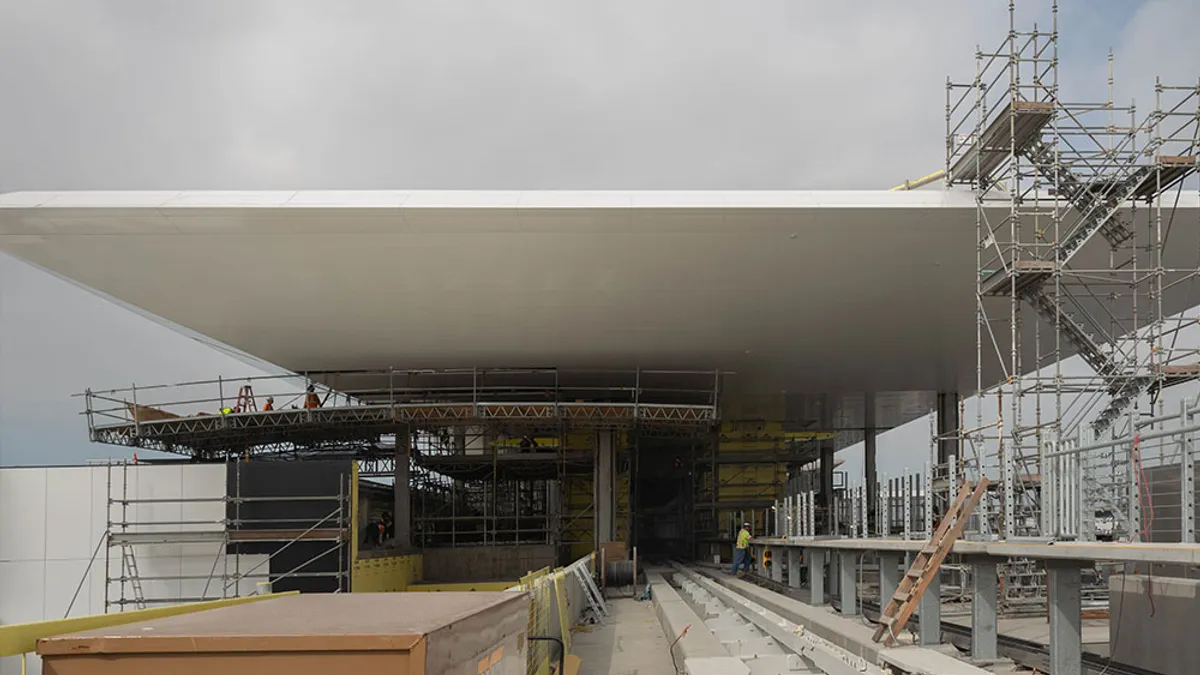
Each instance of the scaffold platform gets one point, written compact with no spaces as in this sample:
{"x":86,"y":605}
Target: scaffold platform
{"x":217,"y":424}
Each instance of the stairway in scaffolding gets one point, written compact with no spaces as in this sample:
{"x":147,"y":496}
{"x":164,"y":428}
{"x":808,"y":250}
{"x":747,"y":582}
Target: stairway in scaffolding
{"x":1019,"y":127}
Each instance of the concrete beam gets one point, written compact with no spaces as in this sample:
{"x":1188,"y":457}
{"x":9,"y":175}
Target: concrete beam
{"x":983,"y":608}
{"x":675,"y":614}
{"x":1180,"y":554}
{"x":848,"y":585}
{"x":816,"y":574}
{"x":930,"y":609}
{"x":1066,"y":623}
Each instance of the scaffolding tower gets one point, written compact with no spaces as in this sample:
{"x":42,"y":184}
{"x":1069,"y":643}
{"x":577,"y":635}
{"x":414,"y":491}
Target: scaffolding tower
{"x":1075,"y":208}
{"x":135,"y":536}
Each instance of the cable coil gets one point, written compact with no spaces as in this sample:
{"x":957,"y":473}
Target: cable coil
{"x":618,"y":572}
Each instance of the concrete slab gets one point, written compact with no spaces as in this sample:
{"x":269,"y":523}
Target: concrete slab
{"x":717,"y":665}
{"x":630,"y":642}
{"x":852,"y":635}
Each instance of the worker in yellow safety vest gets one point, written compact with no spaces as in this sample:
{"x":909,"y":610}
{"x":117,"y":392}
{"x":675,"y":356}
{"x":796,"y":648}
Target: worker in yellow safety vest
{"x":741,"y":551}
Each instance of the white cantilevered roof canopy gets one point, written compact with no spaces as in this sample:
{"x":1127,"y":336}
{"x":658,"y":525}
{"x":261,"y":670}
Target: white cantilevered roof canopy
{"x":794,"y":291}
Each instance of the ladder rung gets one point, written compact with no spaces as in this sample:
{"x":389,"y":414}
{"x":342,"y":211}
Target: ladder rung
{"x":901,"y":596}
{"x":913,"y":574}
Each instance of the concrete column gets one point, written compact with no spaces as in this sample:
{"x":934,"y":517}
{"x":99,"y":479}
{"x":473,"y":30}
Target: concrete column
{"x":793,"y":567}
{"x":402,"y":502}
{"x":816,"y":575}
{"x":777,"y":562}
{"x":1066,"y":624}
{"x":833,"y":580}
{"x":828,"y":448}
{"x":848,"y":584}
{"x":605,"y":494}
{"x":983,"y":608}
{"x":930,"y":608}
{"x":947,"y":423}
{"x":889,"y":577}
{"x":869,"y":465}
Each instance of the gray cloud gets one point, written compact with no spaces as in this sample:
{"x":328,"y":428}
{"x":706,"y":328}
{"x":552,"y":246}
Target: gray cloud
{"x":777,"y":94}
{"x":160,"y":94}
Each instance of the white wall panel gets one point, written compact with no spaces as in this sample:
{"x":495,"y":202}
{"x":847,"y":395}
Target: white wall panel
{"x":22,"y":586}
{"x":23,"y":514}
{"x":203,"y":481}
{"x":62,"y":578}
{"x":11,"y":665}
{"x":98,"y":503}
{"x":51,"y":520}
{"x":68,"y":513}
{"x":158,"y":482}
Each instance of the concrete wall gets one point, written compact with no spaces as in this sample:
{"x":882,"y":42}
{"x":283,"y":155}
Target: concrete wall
{"x":51,"y":520}
{"x":1164,"y":642}
{"x":484,"y":563}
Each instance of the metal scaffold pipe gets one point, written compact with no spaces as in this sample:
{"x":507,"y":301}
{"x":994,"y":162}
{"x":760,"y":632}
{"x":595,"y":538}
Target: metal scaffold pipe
{"x":924,"y":180}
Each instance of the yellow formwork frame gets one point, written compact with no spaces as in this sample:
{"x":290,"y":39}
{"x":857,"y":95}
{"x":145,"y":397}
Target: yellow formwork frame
{"x":537,"y":584}
{"x":560,"y":596}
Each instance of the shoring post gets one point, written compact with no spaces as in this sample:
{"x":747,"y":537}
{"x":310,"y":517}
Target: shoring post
{"x":906,"y":487}
{"x":1047,"y":492}
{"x":929,"y":501}
{"x":1187,"y":480}
{"x":862,"y":504}
{"x":881,"y":508}
{"x":341,"y":540}
{"x":952,"y":472}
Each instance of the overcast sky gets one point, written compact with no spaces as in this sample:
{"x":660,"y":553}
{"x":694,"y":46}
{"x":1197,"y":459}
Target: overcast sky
{"x":158,"y":94}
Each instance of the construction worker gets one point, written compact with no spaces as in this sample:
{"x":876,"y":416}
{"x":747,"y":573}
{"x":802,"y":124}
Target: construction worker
{"x":269,"y":405}
{"x":741,"y":551}
{"x":311,"y":400}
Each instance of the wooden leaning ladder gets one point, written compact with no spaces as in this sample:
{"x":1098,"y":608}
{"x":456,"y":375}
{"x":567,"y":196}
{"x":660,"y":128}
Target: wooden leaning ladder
{"x":927,"y":563}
